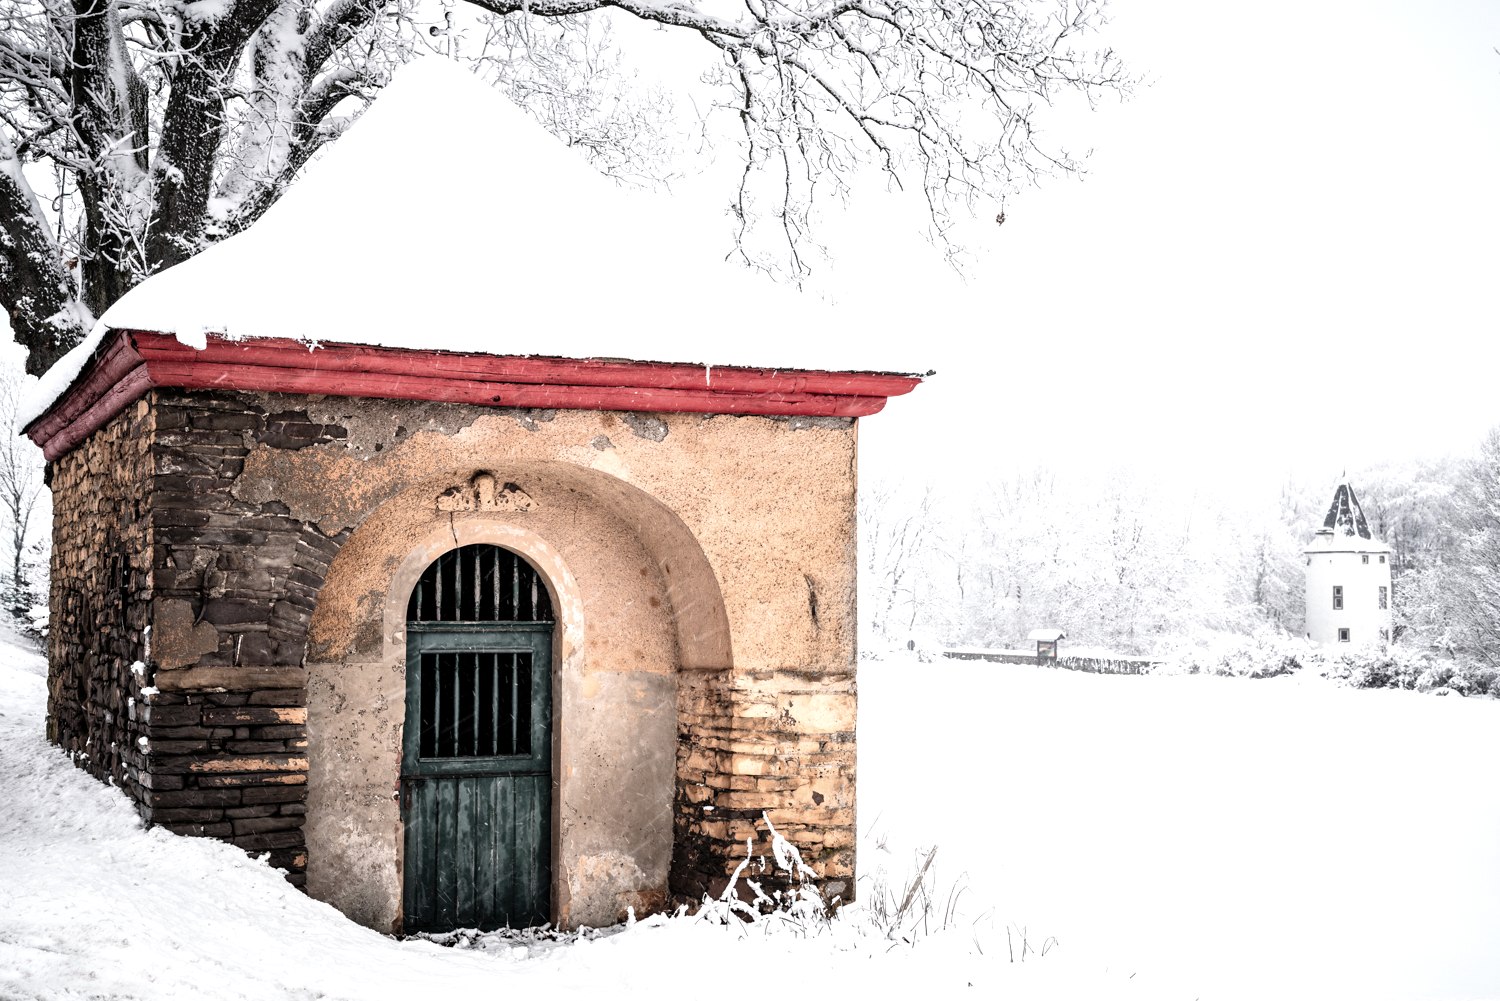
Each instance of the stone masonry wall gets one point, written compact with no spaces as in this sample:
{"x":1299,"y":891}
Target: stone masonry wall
{"x":236,"y":583}
{"x":101,"y":596}
{"x":769,"y":745}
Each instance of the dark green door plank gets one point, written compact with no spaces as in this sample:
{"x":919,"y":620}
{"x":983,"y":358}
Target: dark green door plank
{"x":445,"y":876}
{"x":463,"y":849}
{"x":421,"y":815}
{"x":487,"y":855}
{"x":505,"y":864}
{"x":532,"y":880}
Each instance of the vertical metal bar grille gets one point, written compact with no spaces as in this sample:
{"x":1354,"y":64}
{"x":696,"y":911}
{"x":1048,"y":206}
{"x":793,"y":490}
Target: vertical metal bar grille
{"x":515,"y":591}
{"x":498,"y":702}
{"x":479,"y":583}
{"x":427,"y":748}
{"x":474,"y":705}
{"x":454,"y":717}
{"x":515,"y":685}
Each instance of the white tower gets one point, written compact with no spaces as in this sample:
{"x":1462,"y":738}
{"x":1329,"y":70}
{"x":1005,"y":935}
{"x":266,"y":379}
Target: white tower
{"x":1348,"y":578}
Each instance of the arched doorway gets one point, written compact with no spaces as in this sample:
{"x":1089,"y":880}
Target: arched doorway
{"x":476,"y":764}
{"x":638,"y":615}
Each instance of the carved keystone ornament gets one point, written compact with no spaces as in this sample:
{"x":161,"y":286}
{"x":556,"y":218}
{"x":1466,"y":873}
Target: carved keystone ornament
{"x":481,"y":494}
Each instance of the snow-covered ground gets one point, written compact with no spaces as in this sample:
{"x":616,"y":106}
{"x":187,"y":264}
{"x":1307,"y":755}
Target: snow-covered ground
{"x":1159,"y":837}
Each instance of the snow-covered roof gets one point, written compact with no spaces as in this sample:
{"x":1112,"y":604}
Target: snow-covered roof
{"x":1345,"y":527}
{"x":1046,"y":635}
{"x":447,"y":219}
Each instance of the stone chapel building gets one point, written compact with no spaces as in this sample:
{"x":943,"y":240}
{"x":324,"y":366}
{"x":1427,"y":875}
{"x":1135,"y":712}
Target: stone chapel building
{"x":471,"y":602}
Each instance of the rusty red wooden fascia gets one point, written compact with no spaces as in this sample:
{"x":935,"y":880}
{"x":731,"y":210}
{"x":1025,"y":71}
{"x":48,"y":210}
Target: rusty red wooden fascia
{"x":131,"y":363}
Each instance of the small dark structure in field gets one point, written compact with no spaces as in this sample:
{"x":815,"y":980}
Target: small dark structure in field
{"x":1046,"y":641}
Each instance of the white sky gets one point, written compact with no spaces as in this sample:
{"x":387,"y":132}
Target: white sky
{"x":1284,"y":259}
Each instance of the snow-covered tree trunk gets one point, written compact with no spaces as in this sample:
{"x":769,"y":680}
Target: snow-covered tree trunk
{"x":38,"y":292}
{"x":109,"y":119}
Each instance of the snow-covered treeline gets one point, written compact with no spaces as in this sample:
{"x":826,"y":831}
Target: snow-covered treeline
{"x":1442,"y":519}
{"x":1120,"y":561}
{"x":1113,"y":560}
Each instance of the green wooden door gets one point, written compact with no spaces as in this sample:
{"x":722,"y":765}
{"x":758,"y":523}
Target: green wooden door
{"x":476,"y":768}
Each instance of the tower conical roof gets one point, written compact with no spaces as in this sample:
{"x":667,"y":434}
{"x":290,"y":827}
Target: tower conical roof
{"x":1345,"y":516}
{"x":1345,"y":528}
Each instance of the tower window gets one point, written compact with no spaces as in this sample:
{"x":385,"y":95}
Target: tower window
{"x":1343,"y":636}
{"x":1338,"y":599}
{"x":1382,"y":559}
{"x":1364,"y":557}
{"x":1385,"y":596}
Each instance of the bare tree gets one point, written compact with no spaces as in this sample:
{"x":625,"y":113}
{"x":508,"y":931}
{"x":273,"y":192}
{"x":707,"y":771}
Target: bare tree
{"x":152,"y":128}
{"x":20,"y":489}
{"x":894,"y":529}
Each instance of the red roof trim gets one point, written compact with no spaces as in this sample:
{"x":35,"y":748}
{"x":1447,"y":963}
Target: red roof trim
{"x":133,"y":362}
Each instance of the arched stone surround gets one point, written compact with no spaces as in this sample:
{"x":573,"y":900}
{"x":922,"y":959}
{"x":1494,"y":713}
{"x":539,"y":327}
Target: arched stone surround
{"x":614,"y":677}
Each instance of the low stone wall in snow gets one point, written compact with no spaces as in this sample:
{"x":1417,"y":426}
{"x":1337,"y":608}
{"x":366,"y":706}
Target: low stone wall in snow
{"x":1090,"y":665}
{"x":228,"y":765}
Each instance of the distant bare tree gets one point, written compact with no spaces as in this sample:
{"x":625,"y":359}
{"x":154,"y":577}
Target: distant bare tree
{"x":894,"y":528}
{"x":20,"y":489}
